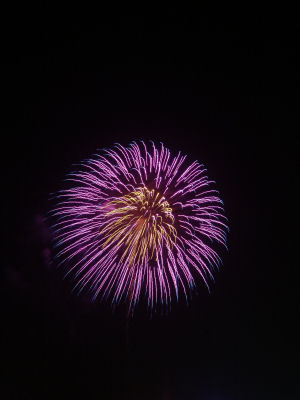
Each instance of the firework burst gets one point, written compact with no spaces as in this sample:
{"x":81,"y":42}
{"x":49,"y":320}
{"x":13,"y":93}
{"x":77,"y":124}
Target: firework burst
{"x":138,"y":220}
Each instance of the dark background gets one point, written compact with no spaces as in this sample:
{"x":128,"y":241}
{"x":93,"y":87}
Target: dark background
{"x":220,"y":85}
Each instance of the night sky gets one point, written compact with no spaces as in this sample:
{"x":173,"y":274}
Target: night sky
{"x":222,"y":88}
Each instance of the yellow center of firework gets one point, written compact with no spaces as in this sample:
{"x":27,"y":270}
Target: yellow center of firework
{"x":140,"y":223}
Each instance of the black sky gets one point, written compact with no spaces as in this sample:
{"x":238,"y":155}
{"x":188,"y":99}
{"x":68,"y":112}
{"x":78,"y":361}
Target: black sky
{"x":223,"y":88}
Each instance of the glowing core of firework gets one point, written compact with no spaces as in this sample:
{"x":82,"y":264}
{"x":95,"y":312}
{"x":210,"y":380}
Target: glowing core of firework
{"x":141,"y":222}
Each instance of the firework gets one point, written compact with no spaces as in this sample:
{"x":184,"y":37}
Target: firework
{"x":139,"y":221}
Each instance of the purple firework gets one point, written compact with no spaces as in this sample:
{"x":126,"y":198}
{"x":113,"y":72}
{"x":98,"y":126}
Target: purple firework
{"x":138,"y":220}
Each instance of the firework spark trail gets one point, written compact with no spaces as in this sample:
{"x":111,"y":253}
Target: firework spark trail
{"x":137,"y":219}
